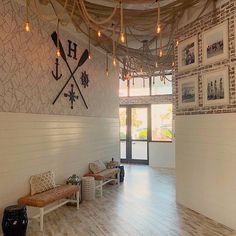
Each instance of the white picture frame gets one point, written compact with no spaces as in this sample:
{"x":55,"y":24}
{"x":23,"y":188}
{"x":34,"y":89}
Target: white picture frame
{"x":215,"y":87}
{"x":215,"y":45}
{"x":188,"y":92}
{"x":188,"y":54}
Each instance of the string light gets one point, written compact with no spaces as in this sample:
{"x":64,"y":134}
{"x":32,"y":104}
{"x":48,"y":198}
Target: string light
{"x":177,"y":42}
{"x":158,"y":29}
{"x":173,"y":63}
{"x":156,"y":64}
{"x":58,"y":53}
{"x":122,"y":34}
{"x":114,"y":47}
{"x":99,"y":34}
{"x":161,"y":50}
{"x":89,"y":46}
{"x":107,"y":71}
{"x":114,"y":61}
{"x":122,"y":37}
{"x":27,"y":24}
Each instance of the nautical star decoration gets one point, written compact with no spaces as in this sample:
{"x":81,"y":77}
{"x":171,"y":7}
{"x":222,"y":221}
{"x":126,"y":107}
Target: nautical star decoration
{"x":72,"y":96}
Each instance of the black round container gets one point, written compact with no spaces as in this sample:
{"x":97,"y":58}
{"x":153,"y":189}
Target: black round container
{"x":14,"y":222}
{"x":122,"y":173}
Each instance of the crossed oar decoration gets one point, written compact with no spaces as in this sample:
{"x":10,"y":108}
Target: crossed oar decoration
{"x":82,"y":60}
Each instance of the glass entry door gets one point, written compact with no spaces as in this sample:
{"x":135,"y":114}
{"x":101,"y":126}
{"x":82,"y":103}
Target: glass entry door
{"x":134,"y":134}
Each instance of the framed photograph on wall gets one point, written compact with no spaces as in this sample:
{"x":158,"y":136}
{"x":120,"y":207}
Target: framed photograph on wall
{"x":215,"y":44}
{"x":188,"y":92}
{"x":188,"y":54}
{"x":215,"y":87}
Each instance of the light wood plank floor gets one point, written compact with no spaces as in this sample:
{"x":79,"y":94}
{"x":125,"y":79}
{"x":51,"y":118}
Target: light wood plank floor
{"x":143,"y":205}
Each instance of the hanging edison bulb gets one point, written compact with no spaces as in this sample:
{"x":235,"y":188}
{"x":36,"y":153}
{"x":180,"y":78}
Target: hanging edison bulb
{"x":113,"y":47}
{"x":122,"y":34}
{"x":122,"y":37}
{"x":141,"y":69}
{"x":27,"y":24}
{"x":161,"y":52}
{"x":99,"y":33}
{"x":177,"y":42}
{"x":58,"y":53}
{"x":158,"y":28}
{"x":173,"y":63}
{"x":107,"y":71}
{"x":114,"y":61}
{"x":89,"y":45}
{"x":156,"y":64}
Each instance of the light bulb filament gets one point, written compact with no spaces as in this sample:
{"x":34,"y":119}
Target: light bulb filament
{"x":27,"y":26}
{"x":122,"y":37}
{"x":58,"y":53}
{"x":114,"y":61}
{"x":158,"y":28}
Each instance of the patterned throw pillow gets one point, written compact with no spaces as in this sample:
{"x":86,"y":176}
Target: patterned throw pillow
{"x":42,"y":182}
{"x":97,"y":166}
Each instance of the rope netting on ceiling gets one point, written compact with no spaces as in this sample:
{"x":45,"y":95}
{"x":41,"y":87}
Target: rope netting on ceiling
{"x":142,"y":47}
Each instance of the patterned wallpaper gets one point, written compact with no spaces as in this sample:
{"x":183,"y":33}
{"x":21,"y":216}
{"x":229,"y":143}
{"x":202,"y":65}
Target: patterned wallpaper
{"x":26,"y":63}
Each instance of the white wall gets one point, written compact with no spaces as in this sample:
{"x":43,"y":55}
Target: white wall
{"x":206,"y":165}
{"x":162,"y":154}
{"x":31,"y":144}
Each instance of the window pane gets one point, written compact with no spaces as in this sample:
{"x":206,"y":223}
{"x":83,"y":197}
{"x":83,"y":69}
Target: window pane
{"x":123,"y":126}
{"x":159,"y":88}
{"x":139,"y":87}
{"x":122,"y":149}
{"x":139,"y":150}
{"x":162,"y":122}
{"x":123,"y":90}
{"x":139,"y":123}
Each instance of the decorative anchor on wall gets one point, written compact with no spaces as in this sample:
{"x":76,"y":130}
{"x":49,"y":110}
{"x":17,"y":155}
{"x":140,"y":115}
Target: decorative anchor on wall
{"x":72,"y":96}
{"x":56,"y":75}
{"x":82,"y":60}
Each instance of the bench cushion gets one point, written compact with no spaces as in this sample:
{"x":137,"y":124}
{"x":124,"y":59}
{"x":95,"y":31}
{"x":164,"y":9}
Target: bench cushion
{"x":50,"y":196}
{"x":97,"y":166}
{"x":104,"y":175}
{"x":42,"y":182}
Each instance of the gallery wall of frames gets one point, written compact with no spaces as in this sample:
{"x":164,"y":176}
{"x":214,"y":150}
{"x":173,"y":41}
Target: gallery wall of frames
{"x":205,"y":65}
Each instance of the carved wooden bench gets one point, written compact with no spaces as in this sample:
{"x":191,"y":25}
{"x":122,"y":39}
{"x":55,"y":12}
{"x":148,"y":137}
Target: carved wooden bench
{"x":41,"y":200}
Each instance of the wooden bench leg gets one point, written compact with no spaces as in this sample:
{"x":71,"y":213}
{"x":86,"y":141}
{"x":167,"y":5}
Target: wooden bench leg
{"x":41,"y":218}
{"x":77,"y":199}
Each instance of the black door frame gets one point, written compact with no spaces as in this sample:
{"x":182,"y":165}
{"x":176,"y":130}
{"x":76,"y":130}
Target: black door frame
{"x":129,"y":139}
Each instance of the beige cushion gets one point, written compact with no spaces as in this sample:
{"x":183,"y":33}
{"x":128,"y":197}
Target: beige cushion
{"x":45,"y":198}
{"x":97,"y":166}
{"x":42,"y":182}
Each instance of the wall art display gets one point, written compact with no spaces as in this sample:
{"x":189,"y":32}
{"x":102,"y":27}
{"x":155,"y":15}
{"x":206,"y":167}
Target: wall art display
{"x":188,"y":92}
{"x":81,"y":61}
{"x":216,"y":87}
{"x":188,"y":54}
{"x":215,"y":44}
